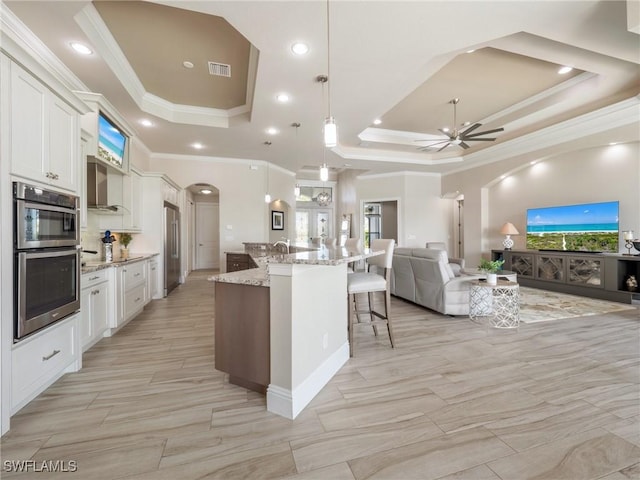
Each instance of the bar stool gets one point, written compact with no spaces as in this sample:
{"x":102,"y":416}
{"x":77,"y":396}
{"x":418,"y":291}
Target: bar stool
{"x":369,"y":282}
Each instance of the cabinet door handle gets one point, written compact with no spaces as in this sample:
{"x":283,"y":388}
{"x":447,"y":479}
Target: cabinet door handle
{"x":56,"y":176}
{"x":153,"y":269}
{"x":137,"y":275}
{"x":49,"y":175}
{"x":95,"y":292}
{"x":48,"y":357}
{"x":94,"y":278}
{"x":137,"y":300}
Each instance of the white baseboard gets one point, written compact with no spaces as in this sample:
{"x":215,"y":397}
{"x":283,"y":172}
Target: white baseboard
{"x":289,"y":404}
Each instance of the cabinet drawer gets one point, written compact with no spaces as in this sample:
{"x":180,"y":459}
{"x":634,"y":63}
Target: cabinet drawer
{"x":39,"y":361}
{"x":93,"y":278}
{"x":134,"y":274}
{"x":134,"y":301}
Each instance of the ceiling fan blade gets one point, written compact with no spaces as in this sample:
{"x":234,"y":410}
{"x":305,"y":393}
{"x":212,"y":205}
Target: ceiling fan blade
{"x":470,"y":129}
{"x":486,"y":132}
{"x":446,"y":133}
{"x":426,"y":147}
{"x":443,"y":147}
{"x":480,"y":139}
{"x":463,"y":145}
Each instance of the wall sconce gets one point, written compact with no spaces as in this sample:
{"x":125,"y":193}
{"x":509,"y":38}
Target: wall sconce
{"x":508,"y":229}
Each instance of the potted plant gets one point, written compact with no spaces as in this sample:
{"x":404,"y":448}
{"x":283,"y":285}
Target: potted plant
{"x":491,"y":268}
{"x":125,"y":240}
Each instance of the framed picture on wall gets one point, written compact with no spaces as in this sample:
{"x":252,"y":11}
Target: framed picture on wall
{"x":277,"y":220}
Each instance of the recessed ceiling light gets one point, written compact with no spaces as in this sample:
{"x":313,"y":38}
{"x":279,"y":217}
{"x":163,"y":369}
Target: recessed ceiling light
{"x":81,"y":48}
{"x":282,"y":97}
{"x":377,"y":121}
{"x":347,"y":165}
{"x":445,"y":129}
{"x":470,"y":51}
{"x":613,"y":143}
{"x":272,"y":131}
{"x":299,"y":48}
{"x":533,"y":162}
{"x":146,"y":122}
{"x":187,"y":64}
{"x":502,"y":177}
{"x":197,"y":145}
{"x":564,"y":70}
{"x":205,"y":191}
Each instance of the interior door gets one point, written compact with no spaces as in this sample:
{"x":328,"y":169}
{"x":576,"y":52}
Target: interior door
{"x":313,"y":222}
{"x":207,"y":233}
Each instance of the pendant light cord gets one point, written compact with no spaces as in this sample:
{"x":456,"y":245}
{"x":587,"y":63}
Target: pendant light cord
{"x":328,"y":63}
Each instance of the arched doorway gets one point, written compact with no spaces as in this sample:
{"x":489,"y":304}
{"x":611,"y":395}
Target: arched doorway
{"x":203,"y":211}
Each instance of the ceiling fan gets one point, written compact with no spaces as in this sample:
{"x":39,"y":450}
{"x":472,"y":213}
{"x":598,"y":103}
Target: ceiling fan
{"x":460,"y":138}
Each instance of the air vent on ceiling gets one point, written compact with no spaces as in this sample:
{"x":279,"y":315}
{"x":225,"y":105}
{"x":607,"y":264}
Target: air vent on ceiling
{"x":219,"y":69}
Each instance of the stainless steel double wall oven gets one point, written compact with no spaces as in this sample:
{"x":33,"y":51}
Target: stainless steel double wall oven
{"x":46,"y":257}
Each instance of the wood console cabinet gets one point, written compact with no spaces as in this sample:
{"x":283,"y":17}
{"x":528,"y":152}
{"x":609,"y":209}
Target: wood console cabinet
{"x":597,"y":275}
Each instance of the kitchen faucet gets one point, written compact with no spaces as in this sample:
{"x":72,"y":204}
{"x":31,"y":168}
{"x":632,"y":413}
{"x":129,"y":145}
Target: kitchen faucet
{"x":286,"y":242}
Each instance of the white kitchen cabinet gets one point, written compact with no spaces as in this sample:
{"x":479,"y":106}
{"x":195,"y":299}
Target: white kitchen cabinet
{"x":45,"y":133}
{"x":125,"y":191}
{"x":94,"y":298}
{"x":152,"y":279}
{"x":42,"y":358}
{"x":134,"y":284}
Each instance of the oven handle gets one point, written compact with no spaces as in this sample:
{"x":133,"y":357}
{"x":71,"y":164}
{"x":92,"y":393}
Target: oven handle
{"x":39,"y":206}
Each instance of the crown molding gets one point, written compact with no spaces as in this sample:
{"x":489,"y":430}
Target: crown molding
{"x":404,"y":173}
{"x":377,"y":155}
{"x":220,"y":160}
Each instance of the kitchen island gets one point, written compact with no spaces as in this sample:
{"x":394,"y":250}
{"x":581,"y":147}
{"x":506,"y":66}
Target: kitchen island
{"x":299,"y":336}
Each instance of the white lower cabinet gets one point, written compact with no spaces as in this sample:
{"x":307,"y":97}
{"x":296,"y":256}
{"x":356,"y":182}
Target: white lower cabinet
{"x":152,"y":279}
{"x":39,"y":360}
{"x":130,"y":293}
{"x":94,"y":300}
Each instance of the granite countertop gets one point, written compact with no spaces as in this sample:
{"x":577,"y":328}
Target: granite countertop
{"x":95,"y":265}
{"x":317,"y":256}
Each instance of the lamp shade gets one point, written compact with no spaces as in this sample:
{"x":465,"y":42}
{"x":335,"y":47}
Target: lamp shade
{"x":330,"y":132}
{"x":324,"y":172}
{"x":509,"y":229}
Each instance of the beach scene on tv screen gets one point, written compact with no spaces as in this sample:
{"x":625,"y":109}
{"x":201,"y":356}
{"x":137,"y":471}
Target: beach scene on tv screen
{"x":591,"y":227}
{"x":111,"y":142}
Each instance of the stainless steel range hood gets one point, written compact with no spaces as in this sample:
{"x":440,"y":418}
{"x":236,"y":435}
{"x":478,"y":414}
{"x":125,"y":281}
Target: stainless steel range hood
{"x":100,"y":196}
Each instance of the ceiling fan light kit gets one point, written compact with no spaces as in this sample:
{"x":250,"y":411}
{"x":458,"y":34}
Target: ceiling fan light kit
{"x":460,"y":138}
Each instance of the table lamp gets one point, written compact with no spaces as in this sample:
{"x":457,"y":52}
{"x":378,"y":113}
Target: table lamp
{"x":627,"y":235}
{"x":508,"y":229}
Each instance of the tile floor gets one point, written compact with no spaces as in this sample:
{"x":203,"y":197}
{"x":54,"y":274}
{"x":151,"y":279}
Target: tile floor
{"x":555,"y":400}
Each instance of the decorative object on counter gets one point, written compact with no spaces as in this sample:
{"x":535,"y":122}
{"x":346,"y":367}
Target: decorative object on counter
{"x":627,"y":236}
{"x":636,"y":245}
{"x":277,"y":220}
{"x":632,"y":283}
{"x":508,"y":229}
{"x":491,"y":268}
{"x":107,"y":246}
{"x":125,"y":240}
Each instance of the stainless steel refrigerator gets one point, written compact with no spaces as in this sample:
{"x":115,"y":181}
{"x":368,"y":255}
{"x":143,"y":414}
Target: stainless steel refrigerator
{"x":171,"y":247}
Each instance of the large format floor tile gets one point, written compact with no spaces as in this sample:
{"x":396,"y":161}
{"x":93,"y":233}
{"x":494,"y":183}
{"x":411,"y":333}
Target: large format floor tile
{"x":557,"y":400}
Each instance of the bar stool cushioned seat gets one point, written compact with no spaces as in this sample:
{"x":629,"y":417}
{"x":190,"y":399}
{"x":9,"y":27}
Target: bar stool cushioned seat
{"x":369,"y":282}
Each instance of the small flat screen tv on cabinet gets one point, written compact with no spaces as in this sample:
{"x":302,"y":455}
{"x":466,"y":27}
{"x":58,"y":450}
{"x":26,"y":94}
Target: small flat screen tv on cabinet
{"x":112,"y":142}
{"x":586,"y":227}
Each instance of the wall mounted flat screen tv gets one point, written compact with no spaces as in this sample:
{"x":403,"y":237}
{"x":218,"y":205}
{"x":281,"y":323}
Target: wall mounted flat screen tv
{"x":587,"y":227}
{"x":112,"y":142}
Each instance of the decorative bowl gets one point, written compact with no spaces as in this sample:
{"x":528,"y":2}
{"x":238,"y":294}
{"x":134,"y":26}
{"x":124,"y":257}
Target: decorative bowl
{"x":636,"y":244}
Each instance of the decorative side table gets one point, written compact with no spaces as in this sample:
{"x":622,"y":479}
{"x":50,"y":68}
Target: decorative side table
{"x":499,"y":304}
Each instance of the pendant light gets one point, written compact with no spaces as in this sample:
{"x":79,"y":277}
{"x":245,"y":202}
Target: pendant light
{"x":267,"y":196}
{"x":296,"y":189}
{"x":324,"y":172}
{"x":330,"y":127}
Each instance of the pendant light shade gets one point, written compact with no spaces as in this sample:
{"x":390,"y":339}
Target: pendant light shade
{"x":296,"y":190}
{"x":267,"y":198}
{"x":324,"y":172}
{"x":330,"y":132}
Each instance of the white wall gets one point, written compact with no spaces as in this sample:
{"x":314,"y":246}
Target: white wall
{"x":423,"y":216}
{"x":582,"y":176}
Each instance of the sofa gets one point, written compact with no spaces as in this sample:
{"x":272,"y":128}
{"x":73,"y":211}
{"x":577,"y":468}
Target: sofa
{"x":424,"y":276}
{"x":456,"y":264}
